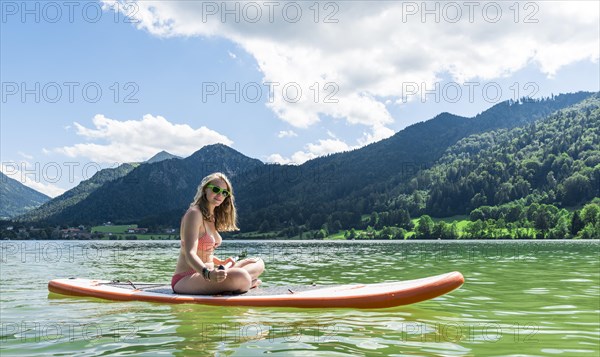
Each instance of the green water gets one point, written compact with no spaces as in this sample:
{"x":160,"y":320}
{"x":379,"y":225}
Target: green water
{"x":519,"y":298}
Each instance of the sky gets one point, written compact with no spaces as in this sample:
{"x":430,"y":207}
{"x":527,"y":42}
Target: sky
{"x":94,"y":84}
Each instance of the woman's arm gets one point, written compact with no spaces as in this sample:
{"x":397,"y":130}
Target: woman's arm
{"x":192,"y":220}
{"x":218,"y":261}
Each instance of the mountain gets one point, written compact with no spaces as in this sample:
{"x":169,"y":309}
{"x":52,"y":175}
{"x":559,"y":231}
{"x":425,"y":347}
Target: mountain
{"x":338,"y":188}
{"x":551,"y":161}
{"x":77,"y":194}
{"x":156,"y":192}
{"x":161,"y":156}
{"x":81,"y":191}
{"x":355,"y":183}
{"x":17,"y":198}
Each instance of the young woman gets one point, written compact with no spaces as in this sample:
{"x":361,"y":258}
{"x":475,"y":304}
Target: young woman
{"x":212,"y":210}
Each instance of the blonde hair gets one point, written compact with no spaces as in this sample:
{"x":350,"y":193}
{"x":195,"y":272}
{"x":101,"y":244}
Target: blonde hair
{"x":225,"y":214}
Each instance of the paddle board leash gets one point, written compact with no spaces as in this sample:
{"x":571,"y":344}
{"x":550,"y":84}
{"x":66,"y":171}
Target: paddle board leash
{"x":135,"y":286}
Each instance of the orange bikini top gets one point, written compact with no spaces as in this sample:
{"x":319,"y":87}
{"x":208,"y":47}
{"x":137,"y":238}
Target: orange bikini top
{"x":205,"y":241}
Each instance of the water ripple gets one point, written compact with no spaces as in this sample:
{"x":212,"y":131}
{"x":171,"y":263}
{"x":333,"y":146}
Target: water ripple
{"x":537,"y":298}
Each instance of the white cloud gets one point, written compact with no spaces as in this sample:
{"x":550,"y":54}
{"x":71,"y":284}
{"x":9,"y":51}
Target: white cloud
{"x":372,"y":48}
{"x":379,"y":132}
{"x":27,"y":156}
{"x":277,"y":158}
{"x":327,"y":146}
{"x":323,"y":147}
{"x":137,"y":140}
{"x":300,"y":157}
{"x":48,"y":189}
{"x":286,"y":134}
{"x":32,"y":176}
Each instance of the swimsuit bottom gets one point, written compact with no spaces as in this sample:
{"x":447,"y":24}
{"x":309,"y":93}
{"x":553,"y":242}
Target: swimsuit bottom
{"x":180,"y":276}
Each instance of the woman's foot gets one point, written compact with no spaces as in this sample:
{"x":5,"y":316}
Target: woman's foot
{"x":255,"y":283}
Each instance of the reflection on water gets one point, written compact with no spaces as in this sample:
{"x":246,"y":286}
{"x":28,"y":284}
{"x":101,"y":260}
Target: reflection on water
{"x":526,"y":298}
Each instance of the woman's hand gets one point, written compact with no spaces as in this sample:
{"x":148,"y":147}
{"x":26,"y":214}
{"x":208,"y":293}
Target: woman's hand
{"x":217,"y":275}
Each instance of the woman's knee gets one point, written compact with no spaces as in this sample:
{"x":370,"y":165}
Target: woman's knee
{"x":240,"y":279}
{"x":256,"y":267}
{"x":261,"y":264}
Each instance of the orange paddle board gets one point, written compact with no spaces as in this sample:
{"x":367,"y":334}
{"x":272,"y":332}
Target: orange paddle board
{"x":362,"y":296}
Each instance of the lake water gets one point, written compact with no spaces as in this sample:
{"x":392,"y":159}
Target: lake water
{"x":519,"y":298}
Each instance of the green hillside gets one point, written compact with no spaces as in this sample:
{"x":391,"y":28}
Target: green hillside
{"x":17,"y":198}
{"x":552,"y":161}
{"x":521,"y":169}
{"x":78,"y":193}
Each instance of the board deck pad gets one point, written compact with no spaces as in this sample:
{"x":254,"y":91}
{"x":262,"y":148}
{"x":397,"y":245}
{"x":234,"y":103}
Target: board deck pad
{"x":260,"y":291}
{"x":379,"y":295}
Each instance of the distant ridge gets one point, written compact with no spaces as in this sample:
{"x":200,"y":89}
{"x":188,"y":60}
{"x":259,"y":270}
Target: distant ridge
{"x":354,"y":183}
{"x":338,"y":188}
{"x":161,"y":156}
{"x":159,"y":191}
{"x":16,"y":198}
{"x":77,"y":194}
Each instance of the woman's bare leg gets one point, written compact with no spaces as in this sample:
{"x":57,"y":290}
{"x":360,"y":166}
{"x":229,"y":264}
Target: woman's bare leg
{"x":238,"y":281}
{"x":254,"y":266}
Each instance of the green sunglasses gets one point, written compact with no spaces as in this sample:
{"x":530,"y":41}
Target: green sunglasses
{"x":218,"y":190}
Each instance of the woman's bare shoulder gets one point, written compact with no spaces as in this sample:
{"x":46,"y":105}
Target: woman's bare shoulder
{"x":193,"y":213}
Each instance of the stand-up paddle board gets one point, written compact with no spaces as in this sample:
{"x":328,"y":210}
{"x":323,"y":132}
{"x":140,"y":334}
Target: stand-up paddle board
{"x":363,"y":296}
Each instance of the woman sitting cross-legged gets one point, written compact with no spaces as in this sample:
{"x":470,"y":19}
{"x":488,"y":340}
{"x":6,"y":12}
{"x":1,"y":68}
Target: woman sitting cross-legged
{"x":212,"y":210}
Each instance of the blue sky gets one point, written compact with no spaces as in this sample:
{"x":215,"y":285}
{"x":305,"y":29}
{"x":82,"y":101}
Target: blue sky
{"x":162,"y":71}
